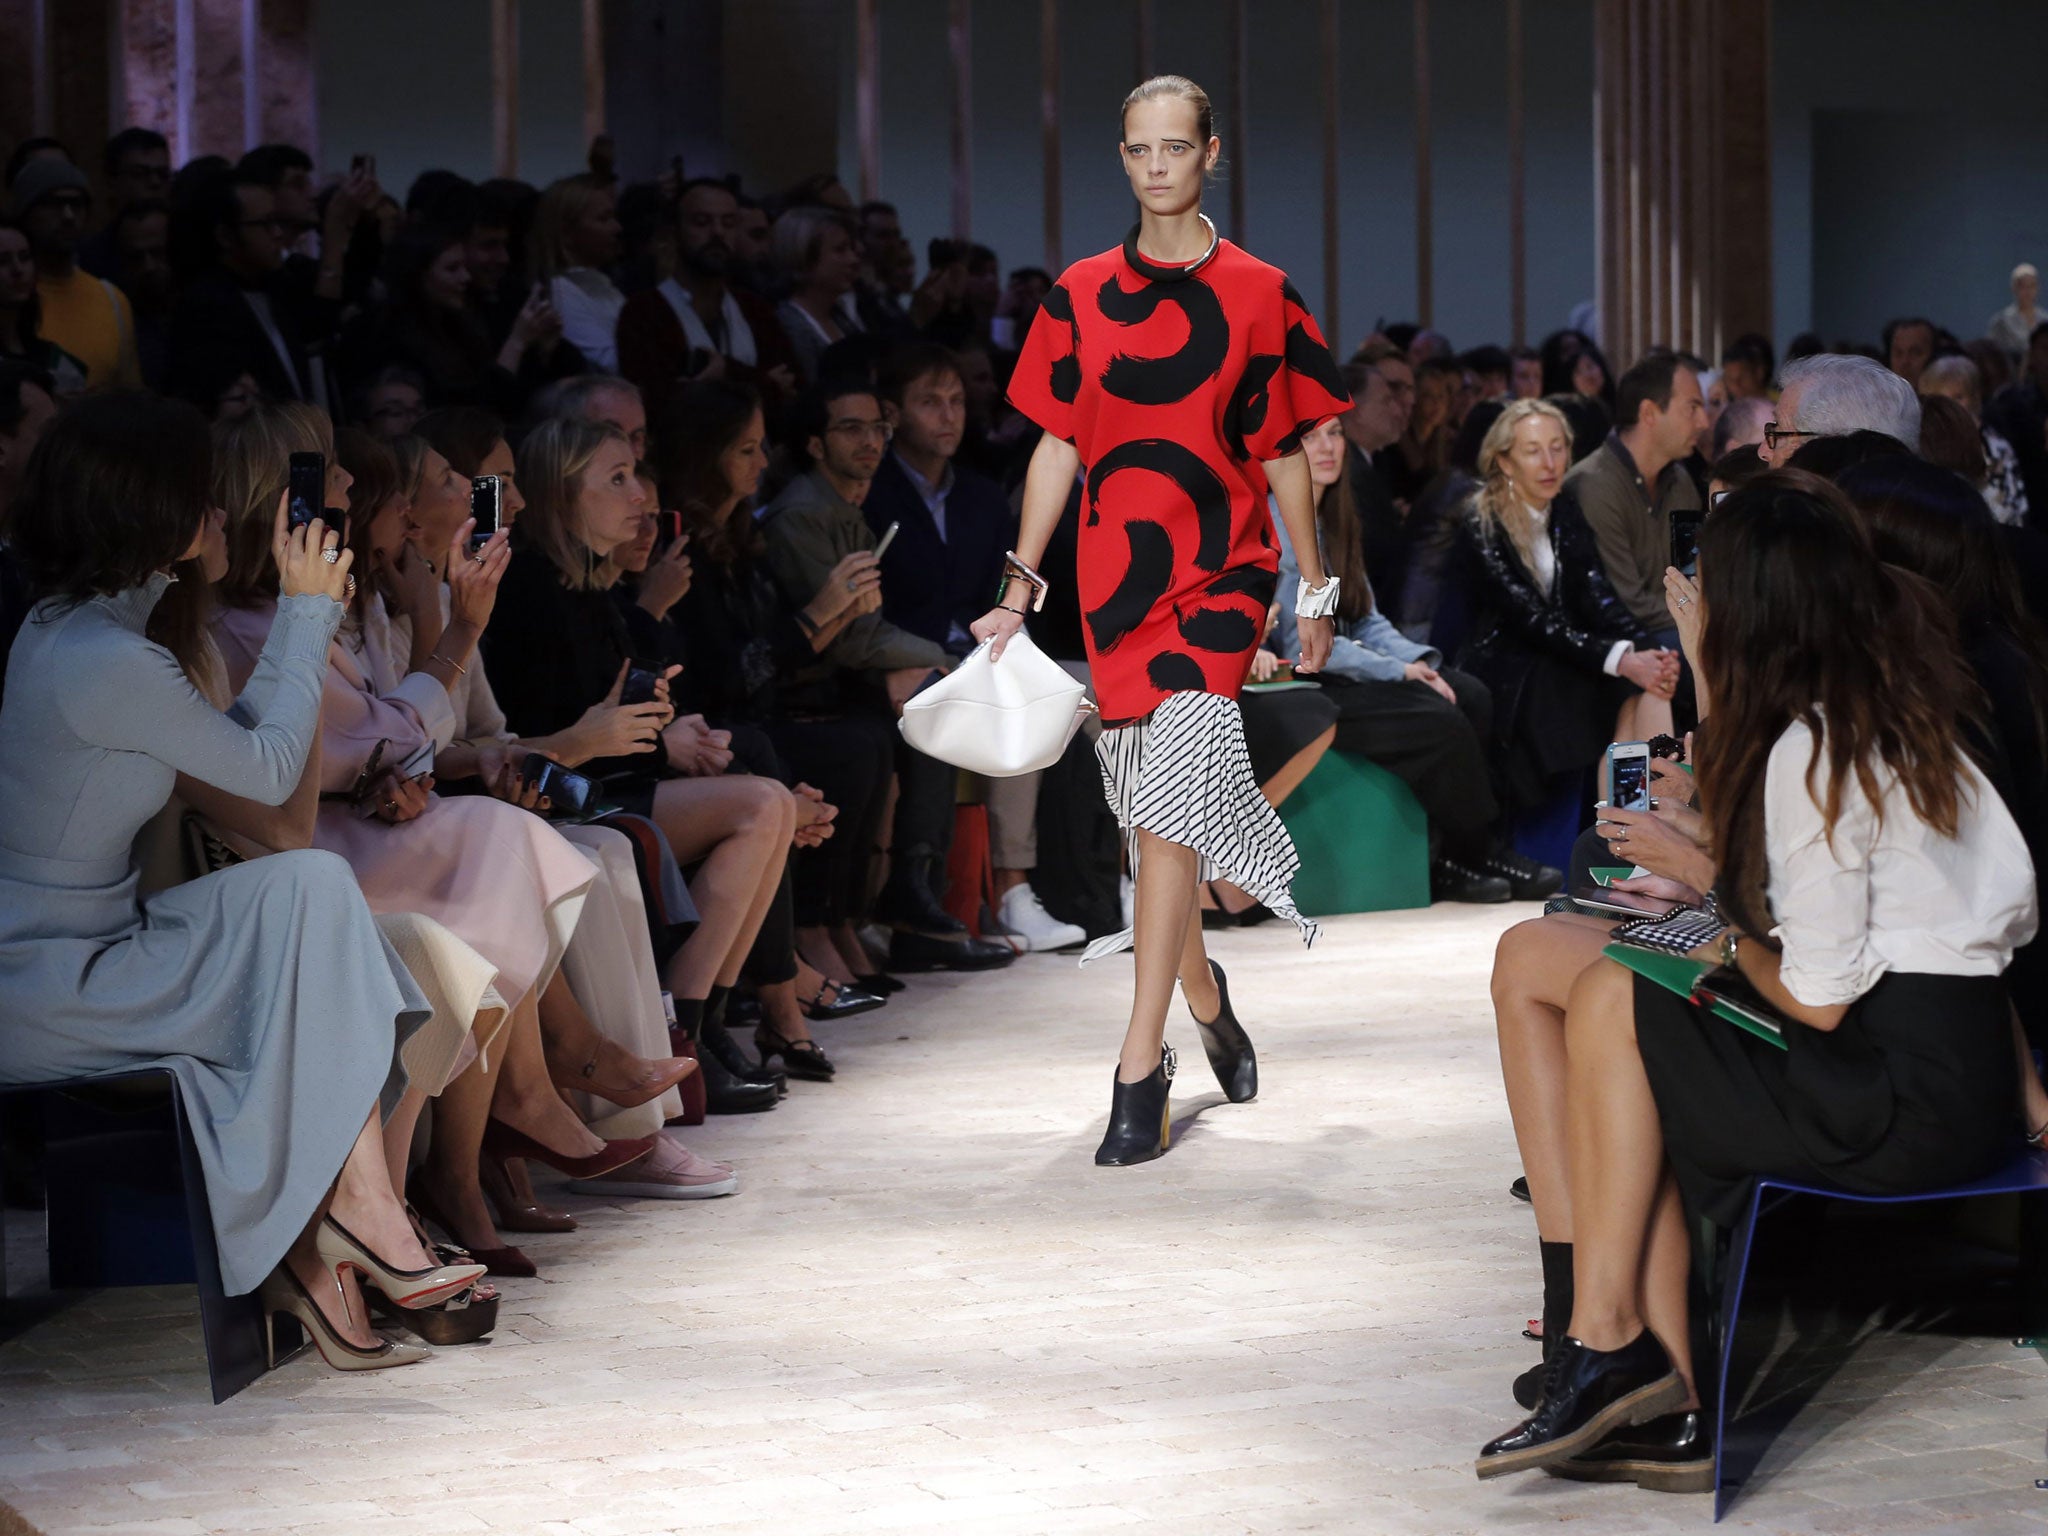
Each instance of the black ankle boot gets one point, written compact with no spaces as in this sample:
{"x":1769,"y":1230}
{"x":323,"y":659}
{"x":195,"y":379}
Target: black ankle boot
{"x":1557,"y":1317}
{"x":1587,"y":1395}
{"x":1140,"y":1117}
{"x":1227,"y":1046}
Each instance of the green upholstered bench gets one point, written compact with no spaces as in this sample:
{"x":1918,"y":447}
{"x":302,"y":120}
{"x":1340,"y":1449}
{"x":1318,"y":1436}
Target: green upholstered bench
{"x":1364,"y":841}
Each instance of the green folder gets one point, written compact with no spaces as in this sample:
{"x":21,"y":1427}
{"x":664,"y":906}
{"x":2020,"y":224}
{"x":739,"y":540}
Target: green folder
{"x":1605,"y":875}
{"x":1682,"y":974}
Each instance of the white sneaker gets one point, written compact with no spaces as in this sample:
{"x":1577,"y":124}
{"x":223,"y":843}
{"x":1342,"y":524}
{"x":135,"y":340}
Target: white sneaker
{"x":1127,"y":893}
{"x":1024,"y":916}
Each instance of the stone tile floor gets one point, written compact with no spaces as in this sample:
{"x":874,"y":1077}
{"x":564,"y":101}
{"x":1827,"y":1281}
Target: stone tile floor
{"x":927,"y":1310}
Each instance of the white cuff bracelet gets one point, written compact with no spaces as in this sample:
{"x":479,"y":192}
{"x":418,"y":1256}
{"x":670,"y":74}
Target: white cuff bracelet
{"x":1316,"y":602}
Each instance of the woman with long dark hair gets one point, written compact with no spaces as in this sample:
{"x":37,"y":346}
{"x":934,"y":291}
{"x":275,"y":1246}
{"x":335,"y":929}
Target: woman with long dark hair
{"x":1876,"y":886}
{"x":1178,"y":564}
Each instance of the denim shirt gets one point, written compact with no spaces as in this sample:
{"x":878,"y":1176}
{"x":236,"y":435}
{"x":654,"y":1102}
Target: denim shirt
{"x":1369,"y":650}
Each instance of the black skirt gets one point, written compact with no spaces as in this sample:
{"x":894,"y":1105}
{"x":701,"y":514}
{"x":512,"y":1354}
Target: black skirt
{"x":1913,"y":1090}
{"x":1278,"y":725}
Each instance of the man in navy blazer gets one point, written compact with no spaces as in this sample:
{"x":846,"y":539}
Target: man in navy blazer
{"x":954,"y":526}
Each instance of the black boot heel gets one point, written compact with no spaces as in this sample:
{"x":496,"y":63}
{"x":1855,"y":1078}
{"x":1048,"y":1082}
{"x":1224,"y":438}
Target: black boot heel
{"x":1228,"y":1047}
{"x":1140,"y":1118}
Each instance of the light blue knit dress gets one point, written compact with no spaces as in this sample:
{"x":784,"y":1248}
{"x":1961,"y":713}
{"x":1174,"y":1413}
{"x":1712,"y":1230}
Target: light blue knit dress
{"x":267,"y":987}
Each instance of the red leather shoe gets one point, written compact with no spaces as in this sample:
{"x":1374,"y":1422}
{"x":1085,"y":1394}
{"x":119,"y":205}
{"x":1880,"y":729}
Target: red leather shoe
{"x":501,"y":1141}
{"x":692,"y":1087}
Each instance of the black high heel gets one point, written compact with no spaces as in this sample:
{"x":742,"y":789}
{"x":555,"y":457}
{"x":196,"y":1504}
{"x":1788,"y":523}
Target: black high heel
{"x":1140,"y":1117}
{"x":800,"y":1058}
{"x":847,"y":1000}
{"x":714,"y":1037}
{"x":1227,"y":1046}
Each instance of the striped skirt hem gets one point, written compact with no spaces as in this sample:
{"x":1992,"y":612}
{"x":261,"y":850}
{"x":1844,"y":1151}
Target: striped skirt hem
{"x":1182,"y":773}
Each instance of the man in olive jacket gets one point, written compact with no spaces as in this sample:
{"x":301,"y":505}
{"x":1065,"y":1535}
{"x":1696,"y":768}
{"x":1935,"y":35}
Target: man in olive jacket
{"x":808,"y":529}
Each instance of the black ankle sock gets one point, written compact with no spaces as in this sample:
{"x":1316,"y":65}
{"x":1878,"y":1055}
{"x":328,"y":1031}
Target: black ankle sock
{"x":714,"y":1005}
{"x":689,"y":1016}
{"x":1557,"y":1293}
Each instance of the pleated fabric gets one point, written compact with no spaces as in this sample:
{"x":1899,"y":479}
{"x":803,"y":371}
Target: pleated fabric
{"x":1182,"y":773}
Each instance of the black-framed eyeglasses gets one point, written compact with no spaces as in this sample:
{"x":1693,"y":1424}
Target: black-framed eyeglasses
{"x":1776,"y":436}
{"x":880,"y":431}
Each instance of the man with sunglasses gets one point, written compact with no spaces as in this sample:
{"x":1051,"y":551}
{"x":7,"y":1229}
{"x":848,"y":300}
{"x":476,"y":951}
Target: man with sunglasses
{"x":87,"y":317}
{"x":1833,"y":394}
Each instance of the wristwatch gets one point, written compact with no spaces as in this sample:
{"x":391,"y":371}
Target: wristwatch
{"x":1728,"y":947}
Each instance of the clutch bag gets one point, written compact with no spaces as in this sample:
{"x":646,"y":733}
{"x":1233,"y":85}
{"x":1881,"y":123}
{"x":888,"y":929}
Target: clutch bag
{"x":999,"y":718}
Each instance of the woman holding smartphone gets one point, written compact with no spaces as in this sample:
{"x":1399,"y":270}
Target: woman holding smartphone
{"x":1177,"y":562}
{"x":1877,"y":887}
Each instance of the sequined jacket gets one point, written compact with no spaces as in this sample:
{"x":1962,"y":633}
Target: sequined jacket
{"x":1578,"y":620}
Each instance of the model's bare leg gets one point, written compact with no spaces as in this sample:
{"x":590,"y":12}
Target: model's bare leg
{"x":1166,"y":905}
{"x":1197,"y":981}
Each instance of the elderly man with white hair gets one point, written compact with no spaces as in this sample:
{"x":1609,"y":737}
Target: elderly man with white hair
{"x":1833,"y":394}
{"x":2013,"y":325}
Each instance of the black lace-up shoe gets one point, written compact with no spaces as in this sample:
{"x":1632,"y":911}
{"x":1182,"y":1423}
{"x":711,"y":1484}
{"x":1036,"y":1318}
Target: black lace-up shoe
{"x":1587,"y":1395}
{"x":1674,"y":1454}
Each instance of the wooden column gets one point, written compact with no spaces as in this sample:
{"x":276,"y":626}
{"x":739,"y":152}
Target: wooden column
{"x":505,"y":87}
{"x":593,"y":70}
{"x":1332,"y":265}
{"x":1518,"y":239}
{"x":1682,"y":133}
{"x":960,"y":43}
{"x":867,"y":97}
{"x":1425,"y":243}
{"x":1239,"y":122}
{"x":1049,"y":127}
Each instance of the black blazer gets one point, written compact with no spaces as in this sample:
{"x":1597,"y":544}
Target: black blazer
{"x":930,"y":583}
{"x":215,"y":338}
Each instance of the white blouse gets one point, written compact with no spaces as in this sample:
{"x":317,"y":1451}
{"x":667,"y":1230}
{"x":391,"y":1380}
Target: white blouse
{"x":1891,"y":897}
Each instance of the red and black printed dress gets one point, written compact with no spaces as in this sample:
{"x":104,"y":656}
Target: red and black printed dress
{"x":1175,"y":382}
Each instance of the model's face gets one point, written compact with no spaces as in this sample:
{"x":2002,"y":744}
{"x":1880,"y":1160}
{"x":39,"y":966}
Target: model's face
{"x":933,"y":415}
{"x":1164,"y":155}
{"x":745,"y":460}
{"x":1537,"y":459}
{"x":17,"y":269}
{"x":706,"y":226}
{"x":627,"y":412}
{"x":609,"y":499}
{"x":856,"y":435}
{"x":1325,"y":449}
{"x":1912,"y":346}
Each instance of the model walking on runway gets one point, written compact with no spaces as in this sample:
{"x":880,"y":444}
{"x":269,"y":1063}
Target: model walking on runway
{"x":1181,"y":372}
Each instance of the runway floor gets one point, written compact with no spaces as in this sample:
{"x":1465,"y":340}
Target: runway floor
{"x":928,"y":1311}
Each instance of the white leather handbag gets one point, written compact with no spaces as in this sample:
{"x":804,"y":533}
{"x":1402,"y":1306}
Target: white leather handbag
{"x":999,"y":718}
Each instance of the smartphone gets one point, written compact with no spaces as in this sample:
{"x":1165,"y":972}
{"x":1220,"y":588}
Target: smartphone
{"x":638,"y":687}
{"x":1685,"y":539}
{"x":1628,"y":775}
{"x":570,"y":793}
{"x":668,"y":529}
{"x":306,"y":493}
{"x":888,"y":537}
{"x":1624,"y":903}
{"x":485,"y":497}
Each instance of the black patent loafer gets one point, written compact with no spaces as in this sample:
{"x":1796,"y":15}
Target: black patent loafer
{"x":1588,"y":1394}
{"x":1673,"y":1454}
{"x":1140,"y":1117}
{"x":1227,"y":1046}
